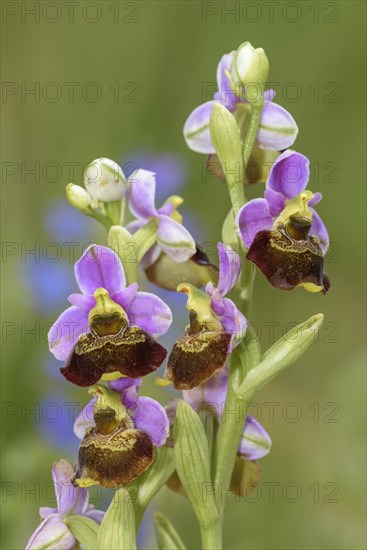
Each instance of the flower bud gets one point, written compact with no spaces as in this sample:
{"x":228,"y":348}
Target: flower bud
{"x":250,"y":68}
{"x":104,"y":180}
{"x":78,"y":197}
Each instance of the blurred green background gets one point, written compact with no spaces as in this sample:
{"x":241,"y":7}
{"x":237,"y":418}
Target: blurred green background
{"x":161,"y":57}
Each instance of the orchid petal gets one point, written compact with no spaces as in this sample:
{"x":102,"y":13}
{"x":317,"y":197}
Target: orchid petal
{"x":99,"y":267}
{"x":225,"y":94}
{"x":212,"y":393}
{"x":125,"y":296}
{"x":133,"y":226}
{"x":151,"y":417}
{"x":229,"y":268}
{"x":66,"y":330}
{"x":150,"y":313}
{"x":318,"y":228}
{"x":141,"y":186}
{"x":278,"y":129}
{"x":316,"y":199}
{"x":269,"y":95}
{"x":85,"y":419}
{"x":51,"y":534}
{"x":253,"y":217}
{"x":175,"y":239}
{"x":276,"y":202}
{"x":128,"y":389}
{"x":45,"y":511}
{"x":70,"y":499}
{"x":150,"y":257}
{"x":196,"y":129}
{"x":83,"y":302}
{"x":289,"y":174}
{"x":231,"y":319}
{"x":255,"y":442}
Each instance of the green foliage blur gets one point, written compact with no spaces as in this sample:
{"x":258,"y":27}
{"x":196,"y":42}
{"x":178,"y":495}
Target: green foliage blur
{"x":151,"y":63}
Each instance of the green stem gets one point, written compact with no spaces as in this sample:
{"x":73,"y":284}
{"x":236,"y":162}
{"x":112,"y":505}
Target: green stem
{"x":113,"y":211}
{"x":247,"y":280}
{"x":237,"y":195}
{"x":252,"y":132}
{"x":211,"y":536}
{"x":104,"y":220}
{"x":233,"y":418}
{"x":228,"y":438}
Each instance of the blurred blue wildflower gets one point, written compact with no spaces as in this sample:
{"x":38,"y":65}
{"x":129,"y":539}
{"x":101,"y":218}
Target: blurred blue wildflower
{"x":58,"y":412}
{"x":171,"y":170}
{"x":65,"y":224}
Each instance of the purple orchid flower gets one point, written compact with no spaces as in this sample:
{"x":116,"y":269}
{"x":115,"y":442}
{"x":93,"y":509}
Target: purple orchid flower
{"x":53,"y":531}
{"x":100,"y":267}
{"x":146,"y":413}
{"x":277,"y":130}
{"x":172,"y":237}
{"x":288,"y":177}
{"x":216,"y":327}
{"x":118,"y":430}
{"x":100,"y":270}
{"x":286,"y":201}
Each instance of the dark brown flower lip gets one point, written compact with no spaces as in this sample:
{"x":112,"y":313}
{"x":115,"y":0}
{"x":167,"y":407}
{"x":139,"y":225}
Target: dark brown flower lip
{"x":287,"y":262}
{"x":196,"y":357}
{"x":132,"y":352}
{"x":113,"y":460}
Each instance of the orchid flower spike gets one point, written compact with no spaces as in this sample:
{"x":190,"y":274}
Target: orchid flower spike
{"x":110,"y":329}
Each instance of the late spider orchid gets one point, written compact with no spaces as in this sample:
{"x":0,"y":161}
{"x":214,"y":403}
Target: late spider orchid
{"x":216,"y":327}
{"x":118,"y":430}
{"x":285,"y":237}
{"x":110,"y":328}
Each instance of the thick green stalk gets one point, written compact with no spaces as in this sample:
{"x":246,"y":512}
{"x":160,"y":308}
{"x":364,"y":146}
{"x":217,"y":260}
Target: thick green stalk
{"x":230,"y":429}
{"x":228,"y":437}
{"x":211,"y":536}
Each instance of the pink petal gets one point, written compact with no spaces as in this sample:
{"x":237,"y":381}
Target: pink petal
{"x":99,"y":267}
{"x":255,"y":442}
{"x":196,"y":129}
{"x":66,"y":330}
{"x":70,"y":499}
{"x":289,"y":174}
{"x":253,"y":217}
{"x":151,"y":417}
{"x":141,"y":186}
{"x":52,"y":534}
{"x":174,"y":239}
{"x":150,"y":313}
{"x":278,"y":129}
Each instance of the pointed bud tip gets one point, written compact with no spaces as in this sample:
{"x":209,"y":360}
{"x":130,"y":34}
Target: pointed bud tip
{"x":78,"y":197}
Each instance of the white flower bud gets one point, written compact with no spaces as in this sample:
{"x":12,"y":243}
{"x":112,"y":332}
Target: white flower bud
{"x":250,"y":68}
{"x":104,"y":180}
{"x":78,"y":197}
